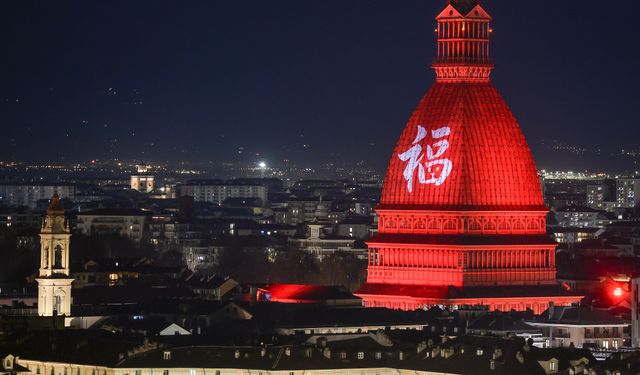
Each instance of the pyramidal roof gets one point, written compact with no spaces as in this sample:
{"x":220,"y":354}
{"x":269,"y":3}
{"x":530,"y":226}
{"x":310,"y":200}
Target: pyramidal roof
{"x":464,"y":6}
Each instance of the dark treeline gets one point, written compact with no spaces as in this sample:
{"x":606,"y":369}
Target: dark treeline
{"x":247,"y":264}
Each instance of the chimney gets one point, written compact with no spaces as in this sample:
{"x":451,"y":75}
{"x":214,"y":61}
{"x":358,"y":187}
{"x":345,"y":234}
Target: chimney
{"x":327,"y":353}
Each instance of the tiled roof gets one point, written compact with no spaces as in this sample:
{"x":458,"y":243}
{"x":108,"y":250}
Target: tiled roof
{"x":500,"y":322}
{"x":491,"y":164}
{"x":575,"y":315}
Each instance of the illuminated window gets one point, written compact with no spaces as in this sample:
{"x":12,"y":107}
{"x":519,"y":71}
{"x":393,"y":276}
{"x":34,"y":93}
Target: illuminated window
{"x":113,"y":279}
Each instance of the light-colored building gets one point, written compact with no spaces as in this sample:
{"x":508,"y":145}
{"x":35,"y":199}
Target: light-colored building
{"x":320,"y":245}
{"x":575,"y":235}
{"x":142,"y":183}
{"x":578,"y":217}
{"x":217,"y":191}
{"x":125,"y":222}
{"x":204,"y":257}
{"x":54,"y":280}
{"x":29,"y":195}
{"x":563,"y":326}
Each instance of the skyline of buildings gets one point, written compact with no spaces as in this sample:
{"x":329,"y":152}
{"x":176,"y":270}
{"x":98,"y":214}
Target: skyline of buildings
{"x":462,"y":256}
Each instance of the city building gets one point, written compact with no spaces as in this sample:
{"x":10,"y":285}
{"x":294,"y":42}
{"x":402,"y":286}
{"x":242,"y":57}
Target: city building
{"x":126,"y":222}
{"x":379,"y":353}
{"x":29,"y":194}
{"x":504,"y":324}
{"x":201,"y":257}
{"x":142,"y":181}
{"x":217,"y":191}
{"x":628,"y":192}
{"x":320,"y":244}
{"x":461,"y":217}
{"x":19,"y":217}
{"x":354,"y":227}
{"x":578,"y":217}
{"x":210,"y":287}
{"x":582,"y":327}
{"x":54,"y":280}
{"x":601,"y":195}
{"x":574,"y":235}
{"x":557,"y":200}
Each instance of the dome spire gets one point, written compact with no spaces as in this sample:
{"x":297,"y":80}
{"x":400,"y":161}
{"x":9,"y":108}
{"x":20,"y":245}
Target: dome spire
{"x":463,"y":43}
{"x":55,"y":206}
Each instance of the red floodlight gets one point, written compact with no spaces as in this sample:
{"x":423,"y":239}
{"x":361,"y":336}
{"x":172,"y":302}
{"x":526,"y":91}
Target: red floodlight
{"x":618,"y":292}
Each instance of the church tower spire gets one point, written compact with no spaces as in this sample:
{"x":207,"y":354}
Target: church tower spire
{"x":463,"y":43}
{"x":54,"y":281}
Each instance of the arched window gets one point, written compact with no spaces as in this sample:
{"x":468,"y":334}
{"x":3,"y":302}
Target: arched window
{"x":405,"y":224}
{"x":57,"y":257}
{"x":435,"y":224}
{"x":504,"y":226}
{"x":490,"y":226}
{"x":519,"y":225}
{"x":474,"y":225}
{"x":450,"y":225}
{"x":45,"y":261}
{"x":57,"y":303}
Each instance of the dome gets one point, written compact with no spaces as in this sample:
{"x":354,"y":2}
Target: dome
{"x":462,"y":149}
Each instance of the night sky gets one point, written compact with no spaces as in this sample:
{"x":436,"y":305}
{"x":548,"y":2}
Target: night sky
{"x":310,"y":81}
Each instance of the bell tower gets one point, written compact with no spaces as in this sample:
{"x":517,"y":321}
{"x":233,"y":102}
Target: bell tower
{"x":54,"y":281}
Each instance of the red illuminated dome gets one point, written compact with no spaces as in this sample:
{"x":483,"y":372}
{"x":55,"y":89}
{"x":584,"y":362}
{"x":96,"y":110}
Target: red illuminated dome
{"x":490,"y":164}
{"x":461,"y":219}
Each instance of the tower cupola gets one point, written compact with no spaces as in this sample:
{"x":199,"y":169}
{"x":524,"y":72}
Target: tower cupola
{"x":463,"y":43}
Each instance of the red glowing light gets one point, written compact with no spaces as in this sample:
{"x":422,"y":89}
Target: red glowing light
{"x":618,"y":292}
